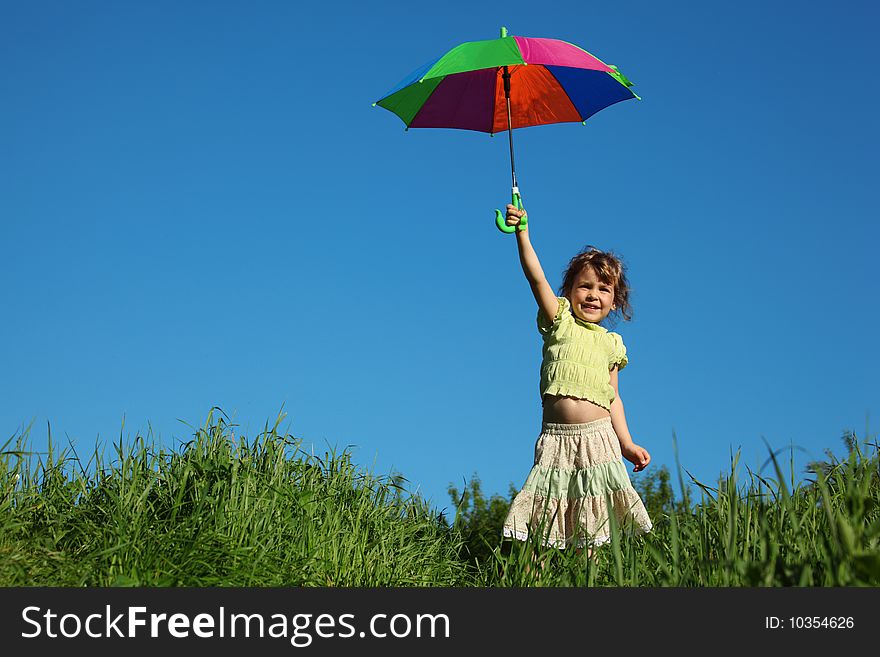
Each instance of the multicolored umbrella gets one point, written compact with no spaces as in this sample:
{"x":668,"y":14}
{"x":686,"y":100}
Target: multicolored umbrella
{"x":507,"y":83}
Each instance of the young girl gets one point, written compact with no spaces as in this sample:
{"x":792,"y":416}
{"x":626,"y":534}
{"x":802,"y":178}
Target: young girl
{"x":578,"y":469}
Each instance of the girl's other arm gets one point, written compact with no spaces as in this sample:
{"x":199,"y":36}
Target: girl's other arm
{"x":543,"y":293}
{"x":636,"y":455}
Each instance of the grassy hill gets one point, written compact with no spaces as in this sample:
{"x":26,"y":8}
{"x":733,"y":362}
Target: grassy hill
{"x":228,"y":511}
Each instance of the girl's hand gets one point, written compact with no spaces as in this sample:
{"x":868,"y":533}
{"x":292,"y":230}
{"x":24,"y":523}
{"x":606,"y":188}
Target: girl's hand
{"x":514,"y":215}
{"x":636,"y":455}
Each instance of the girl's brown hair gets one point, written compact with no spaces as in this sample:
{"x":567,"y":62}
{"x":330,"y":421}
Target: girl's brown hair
{"x":609,"y":269}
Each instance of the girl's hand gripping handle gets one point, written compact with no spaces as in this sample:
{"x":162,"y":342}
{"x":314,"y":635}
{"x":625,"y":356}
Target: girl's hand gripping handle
{"x":516,"y":200}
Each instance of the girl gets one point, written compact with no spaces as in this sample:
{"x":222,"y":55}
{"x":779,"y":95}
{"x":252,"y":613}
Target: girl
{"x":578,"y":470}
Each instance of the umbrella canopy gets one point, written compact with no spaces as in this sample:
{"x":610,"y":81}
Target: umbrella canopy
{"x":551,"y":81}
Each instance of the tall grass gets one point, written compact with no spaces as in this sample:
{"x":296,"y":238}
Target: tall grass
{"x":226,"y":511}
{"x":218,"y":511}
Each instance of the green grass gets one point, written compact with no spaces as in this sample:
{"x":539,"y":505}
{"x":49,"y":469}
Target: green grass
{"x":221,"y":510}
{"x":218,"y":511}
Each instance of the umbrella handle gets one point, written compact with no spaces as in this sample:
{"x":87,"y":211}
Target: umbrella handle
{"x":516,"y":201}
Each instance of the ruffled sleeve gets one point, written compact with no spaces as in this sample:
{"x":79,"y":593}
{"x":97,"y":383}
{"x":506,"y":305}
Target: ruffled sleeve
{"x":544,"y":325}
{"x":618,"y":356}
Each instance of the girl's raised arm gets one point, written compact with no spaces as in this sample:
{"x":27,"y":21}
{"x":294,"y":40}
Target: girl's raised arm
{"x":543,"y":293}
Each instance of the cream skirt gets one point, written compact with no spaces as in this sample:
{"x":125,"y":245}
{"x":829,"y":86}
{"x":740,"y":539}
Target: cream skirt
{"x":577,"y":477}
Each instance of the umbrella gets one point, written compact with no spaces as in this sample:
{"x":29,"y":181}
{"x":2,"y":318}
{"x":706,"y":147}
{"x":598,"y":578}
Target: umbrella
{"x":507,"y":83}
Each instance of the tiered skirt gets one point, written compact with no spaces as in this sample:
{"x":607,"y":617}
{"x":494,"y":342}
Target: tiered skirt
{"x":577,"y":483}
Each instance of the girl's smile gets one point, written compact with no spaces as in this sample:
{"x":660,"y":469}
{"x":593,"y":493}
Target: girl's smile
{"x":591,"y":299}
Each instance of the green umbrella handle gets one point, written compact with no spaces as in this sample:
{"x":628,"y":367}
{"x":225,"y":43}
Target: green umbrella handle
{"x":516,"y":201}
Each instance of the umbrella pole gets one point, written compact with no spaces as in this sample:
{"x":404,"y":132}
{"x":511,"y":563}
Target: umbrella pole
{"x":506,"y":78}
{"x":515,"y":198}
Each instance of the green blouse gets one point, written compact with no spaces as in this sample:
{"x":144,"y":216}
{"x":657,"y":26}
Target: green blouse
{"x":578,"y":357}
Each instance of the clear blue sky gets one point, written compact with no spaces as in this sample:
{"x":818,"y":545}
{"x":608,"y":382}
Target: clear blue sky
{"x":199,"y":207}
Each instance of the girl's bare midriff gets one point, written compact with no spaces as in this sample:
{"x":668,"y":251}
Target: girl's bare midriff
{"x":568,"y":410}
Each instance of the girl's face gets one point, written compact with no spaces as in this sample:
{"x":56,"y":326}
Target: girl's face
{"x":591,"y":299}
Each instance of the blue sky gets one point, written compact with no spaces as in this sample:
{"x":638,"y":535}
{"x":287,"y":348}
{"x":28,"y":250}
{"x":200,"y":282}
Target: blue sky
{"x":199,"y":207}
